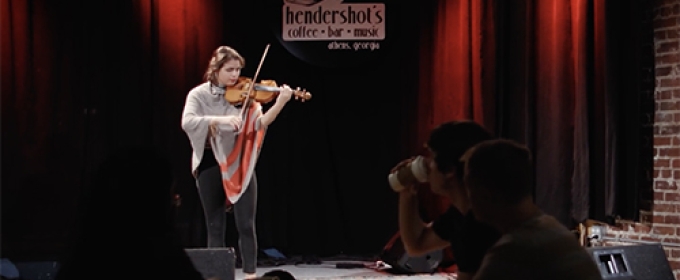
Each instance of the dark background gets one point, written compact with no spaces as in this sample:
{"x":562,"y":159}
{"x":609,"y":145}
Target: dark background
{"x":83,"y":78}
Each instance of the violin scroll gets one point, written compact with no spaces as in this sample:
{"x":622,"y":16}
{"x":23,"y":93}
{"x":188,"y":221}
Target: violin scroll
{"x":270,"y":86}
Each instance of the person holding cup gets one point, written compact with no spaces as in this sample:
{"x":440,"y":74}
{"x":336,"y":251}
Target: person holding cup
{"x":442,"y":169}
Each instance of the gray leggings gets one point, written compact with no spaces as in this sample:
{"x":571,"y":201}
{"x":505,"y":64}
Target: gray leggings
{"x":213,"y":200}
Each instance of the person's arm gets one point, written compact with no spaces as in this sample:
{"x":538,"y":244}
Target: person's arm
{"x":268,"y":118}
{"x":197,"y":126}
{"x":418,"y":238}
{"x":193,"y":123}
{"x":191,"y":120}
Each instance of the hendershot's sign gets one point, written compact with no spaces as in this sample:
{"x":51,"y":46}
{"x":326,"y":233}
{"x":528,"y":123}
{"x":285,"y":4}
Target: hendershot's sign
{"x":331,"y":32}
{"x":333,"y":20}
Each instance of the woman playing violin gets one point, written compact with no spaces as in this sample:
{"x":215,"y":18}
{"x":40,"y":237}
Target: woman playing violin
{"x":215,"y":129}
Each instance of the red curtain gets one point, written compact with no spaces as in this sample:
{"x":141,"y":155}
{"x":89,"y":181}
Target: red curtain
{"x":545,"y":73}
{"x":75,"y":85}
{"x":456,"y":77}
{"x":559,"y":79}
{"x":71,"y":84}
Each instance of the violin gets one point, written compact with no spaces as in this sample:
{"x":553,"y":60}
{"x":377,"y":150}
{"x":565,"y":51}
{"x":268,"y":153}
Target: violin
{"x":265,"y":91}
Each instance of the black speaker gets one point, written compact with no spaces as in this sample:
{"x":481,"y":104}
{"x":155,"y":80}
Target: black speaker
{"x":633,"y":262}
{"x":394,"y":254}
{"x":214,"y":262}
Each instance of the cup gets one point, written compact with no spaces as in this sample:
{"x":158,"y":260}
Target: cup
{"x":409,"y":174}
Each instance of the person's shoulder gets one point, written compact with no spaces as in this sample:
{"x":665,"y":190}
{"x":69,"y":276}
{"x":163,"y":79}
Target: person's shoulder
{"x":200,"y":88}
{"x":549,"y":223}
{"x":198,"y":92}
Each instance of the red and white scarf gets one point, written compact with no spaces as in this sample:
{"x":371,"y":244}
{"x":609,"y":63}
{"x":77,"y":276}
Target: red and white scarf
{"x":238,"y":157}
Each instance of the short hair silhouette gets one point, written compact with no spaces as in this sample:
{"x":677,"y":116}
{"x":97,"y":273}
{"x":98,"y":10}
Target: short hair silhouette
{"x":280,"y":274}
{"x":501,"y":166}
{"x":450,"y":140}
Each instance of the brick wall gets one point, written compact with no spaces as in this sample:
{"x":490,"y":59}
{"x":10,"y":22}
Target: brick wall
{"x":665,"y":214}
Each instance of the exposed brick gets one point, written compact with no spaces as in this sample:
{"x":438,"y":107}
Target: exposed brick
{"x":666,"y":174}
{"x":667,"y":59}
{"x":675,"y":163}
{"x":658,"y":219}
{"x":672,"y":196}
{"x":669,"y":129}
{"x":672,"y":34}
{"x":660,"y":23}
{"x":663,"y":12}
{"x":621,"y":225}
{"x":661,"y":3}
{"x":672,"y":219}
{"x":662,"y":140}
{"x":674,"y":264}
{"x":662,"y":163}
{"x":664,"y":117}
{"x":667,"y":47}
{"x":674,"y":253}
{"x":662,"y":72}
{"x":641,"y":228}
{"x":670,"y":151}
{"x":670,"y":239}
{"x":661,"y":208}
{"x":662,"y":223}
{"x":648,"y":238}
{"x":663,"y":185}
{"x":668,"y":95}
{"x":658,"y":196}
{"x":667,"y":106}
{"x":633,"y":236}
{"x":669,"y":82}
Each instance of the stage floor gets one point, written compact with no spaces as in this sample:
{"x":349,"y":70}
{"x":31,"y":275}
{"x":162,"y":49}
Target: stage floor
{"x":328,"y":270}
{"x":325,"y":271}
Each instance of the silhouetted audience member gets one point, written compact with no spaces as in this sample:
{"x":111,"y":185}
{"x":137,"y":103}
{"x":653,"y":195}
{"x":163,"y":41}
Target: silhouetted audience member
{"x":278,"y":274}
{"x":127,"y":226}
{"x":457,"y":227}
{"x":534,"y":245}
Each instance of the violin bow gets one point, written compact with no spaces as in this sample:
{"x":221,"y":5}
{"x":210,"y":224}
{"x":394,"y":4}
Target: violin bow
{"x":246,"y":103}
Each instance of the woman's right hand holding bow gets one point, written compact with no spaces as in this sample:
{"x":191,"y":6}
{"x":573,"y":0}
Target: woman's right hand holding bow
{"x":219,"y":123}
